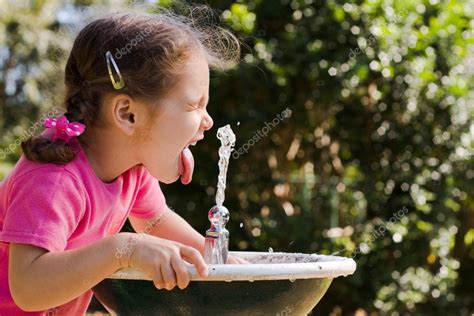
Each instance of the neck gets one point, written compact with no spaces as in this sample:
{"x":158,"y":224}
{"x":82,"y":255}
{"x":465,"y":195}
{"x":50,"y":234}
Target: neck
{"x":108,"y":154}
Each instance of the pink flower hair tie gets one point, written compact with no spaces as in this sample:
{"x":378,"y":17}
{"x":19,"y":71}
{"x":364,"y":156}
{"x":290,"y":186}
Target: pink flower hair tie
{"x":61,"y":128}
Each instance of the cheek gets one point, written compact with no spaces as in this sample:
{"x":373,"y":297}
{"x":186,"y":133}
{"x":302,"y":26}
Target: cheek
{"x":169,"y":134}
{"x":179,"y":129}
{"x":193,"y":123}
{"x":164,"y":141}
{"x":167,"y":138}
{"x":161,"y":154}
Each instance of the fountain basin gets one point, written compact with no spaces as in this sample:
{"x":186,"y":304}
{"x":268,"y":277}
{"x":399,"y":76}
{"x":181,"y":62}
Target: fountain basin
{"x":280,"y":284}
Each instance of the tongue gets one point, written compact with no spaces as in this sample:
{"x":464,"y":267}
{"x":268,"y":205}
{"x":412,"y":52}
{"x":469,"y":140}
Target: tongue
{"x":186,"y":166}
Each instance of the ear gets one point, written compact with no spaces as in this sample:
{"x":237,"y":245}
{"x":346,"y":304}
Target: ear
{"x":124,"y":114}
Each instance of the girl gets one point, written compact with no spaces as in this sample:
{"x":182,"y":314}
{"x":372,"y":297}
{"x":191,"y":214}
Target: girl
{"x":136,"y":95}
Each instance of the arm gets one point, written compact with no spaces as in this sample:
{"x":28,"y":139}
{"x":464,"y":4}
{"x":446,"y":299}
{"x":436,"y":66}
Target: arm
{"x":171,"y":226}
{"x":39,"y":279}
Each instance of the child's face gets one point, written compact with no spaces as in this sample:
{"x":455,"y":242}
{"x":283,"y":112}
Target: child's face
{"x":180,"y":120}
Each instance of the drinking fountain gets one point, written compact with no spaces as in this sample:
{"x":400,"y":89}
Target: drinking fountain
{"x":273,"y":283}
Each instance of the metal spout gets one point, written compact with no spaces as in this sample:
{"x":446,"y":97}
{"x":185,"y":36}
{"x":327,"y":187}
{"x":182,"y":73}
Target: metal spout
{"x":217,"y":237}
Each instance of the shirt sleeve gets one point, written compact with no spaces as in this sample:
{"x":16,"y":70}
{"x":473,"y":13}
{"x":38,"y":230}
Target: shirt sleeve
{"x":45,"y":206}
{"x":150,"y":201}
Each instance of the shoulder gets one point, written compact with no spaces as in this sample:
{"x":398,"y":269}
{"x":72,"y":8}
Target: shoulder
{"x":45,"y":188}
{"x":44,"y":175}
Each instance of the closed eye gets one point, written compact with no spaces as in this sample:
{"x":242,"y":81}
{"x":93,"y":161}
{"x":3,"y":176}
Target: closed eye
{"x":196,"y":106}
{"x":193,"y":106}
{"x":198,"y":103}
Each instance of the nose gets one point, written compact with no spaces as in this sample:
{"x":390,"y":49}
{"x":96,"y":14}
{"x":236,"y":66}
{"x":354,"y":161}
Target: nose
{"x":207,"y":122}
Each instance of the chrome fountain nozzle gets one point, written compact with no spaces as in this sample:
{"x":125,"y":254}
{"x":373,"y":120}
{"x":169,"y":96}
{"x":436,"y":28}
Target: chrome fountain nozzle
{"x":217,"y":237}
{"x":218,"y":216}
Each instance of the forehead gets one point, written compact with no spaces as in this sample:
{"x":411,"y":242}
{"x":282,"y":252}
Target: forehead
{"x":194,"y":82}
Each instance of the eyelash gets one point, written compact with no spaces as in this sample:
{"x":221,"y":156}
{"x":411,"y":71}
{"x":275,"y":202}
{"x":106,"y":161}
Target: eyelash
{"x":197,"y":106}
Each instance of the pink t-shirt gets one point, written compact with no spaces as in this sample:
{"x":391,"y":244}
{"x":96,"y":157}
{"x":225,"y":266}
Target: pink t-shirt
{"x":61,"y":207}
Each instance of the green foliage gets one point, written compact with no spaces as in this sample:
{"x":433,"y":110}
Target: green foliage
{"x":375,"y":161}
{"x":32,"y":59}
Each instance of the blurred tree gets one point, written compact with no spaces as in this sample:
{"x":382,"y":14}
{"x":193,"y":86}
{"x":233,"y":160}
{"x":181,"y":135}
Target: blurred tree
{"x":372,"y":159}
{"x":32,"y":58}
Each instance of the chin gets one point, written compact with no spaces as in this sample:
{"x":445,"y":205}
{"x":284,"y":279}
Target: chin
{"x":163,"y":178}
{"x":169,"y":180}
{"x":165,"y":175}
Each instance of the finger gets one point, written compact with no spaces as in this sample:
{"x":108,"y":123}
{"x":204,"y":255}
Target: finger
{"x":169,"y":277}
{"x":158,"y":279}
{"x":242,"y":261}
{"x":231,"y":260}
{"x":236,"y":260}
{"x":194,"y":257}
{"x":181,"y":272}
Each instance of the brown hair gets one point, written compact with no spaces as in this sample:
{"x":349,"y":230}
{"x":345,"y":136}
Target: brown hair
{"x":150,"y":50}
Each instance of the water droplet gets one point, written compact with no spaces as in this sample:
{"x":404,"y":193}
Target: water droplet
{"x":241,"y":225}
{"x":270,"y":249}
{"x":238,"y":123}
{"x":292,"y":280}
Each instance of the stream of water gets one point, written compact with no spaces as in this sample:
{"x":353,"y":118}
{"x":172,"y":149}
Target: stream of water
{"x":227,"y":138}
{"x":217,"y":237}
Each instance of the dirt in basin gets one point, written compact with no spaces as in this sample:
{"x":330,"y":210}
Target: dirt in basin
{"x":282,"y":257}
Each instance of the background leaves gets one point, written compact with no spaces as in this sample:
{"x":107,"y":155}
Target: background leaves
{"x":381,"y":100}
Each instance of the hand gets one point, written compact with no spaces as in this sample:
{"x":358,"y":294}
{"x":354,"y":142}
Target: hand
{"x":236,"y":260}
{"x":164,"y":260}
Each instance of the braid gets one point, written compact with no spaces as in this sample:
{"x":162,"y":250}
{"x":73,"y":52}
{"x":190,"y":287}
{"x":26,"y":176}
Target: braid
{"x":81,"y":108}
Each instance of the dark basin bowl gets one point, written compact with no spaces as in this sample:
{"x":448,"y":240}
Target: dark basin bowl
{"x":274,"y":284}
